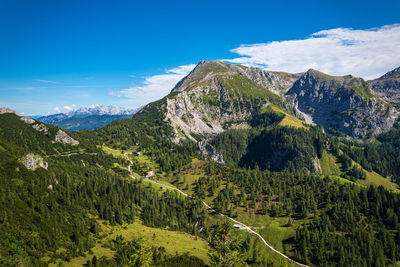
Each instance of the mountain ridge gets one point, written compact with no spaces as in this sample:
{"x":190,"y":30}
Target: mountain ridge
{"x":216,"y":96}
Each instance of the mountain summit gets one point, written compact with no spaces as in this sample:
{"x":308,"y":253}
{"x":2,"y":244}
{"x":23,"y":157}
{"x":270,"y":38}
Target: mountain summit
{"x":217,"y":96}
{"x":388,"y":86}
{"x":345,"y":103}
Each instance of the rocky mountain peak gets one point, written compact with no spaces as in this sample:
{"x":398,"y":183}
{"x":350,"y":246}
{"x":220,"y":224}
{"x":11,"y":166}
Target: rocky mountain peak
{"x":345,"y":103}
{"x":205,"y":71}
{"x":388,"y":86}
{"x":217,"y":96}
{"x":392,"y":74}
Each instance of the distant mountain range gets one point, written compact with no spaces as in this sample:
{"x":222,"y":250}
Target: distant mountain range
{"x":87,"y":118}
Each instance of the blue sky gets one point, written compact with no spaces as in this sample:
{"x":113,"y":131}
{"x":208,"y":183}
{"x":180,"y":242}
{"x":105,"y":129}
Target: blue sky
{"x":59,"y":55}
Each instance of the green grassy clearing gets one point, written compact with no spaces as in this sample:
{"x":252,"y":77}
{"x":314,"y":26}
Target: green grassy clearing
{"x":174,"y":242}
{"x":289,"y":120}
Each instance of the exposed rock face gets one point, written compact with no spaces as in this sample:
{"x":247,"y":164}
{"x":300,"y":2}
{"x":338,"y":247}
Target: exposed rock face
{"x":64,"y":138}
{"x":388,"y":86}
{"x":209,"y":151}
{"x":7,"y":110}
{"x":41,"y":128}
{"x":217,"y":96}
{"x":32,"y":162}
{"x":27,"y":120}
{"x":345,"y":103}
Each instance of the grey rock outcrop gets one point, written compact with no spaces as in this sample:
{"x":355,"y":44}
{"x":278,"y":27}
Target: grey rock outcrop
{"x":388,"y":86}
{"x":209,"y":151}
{"x":7,"y":110}
{"x":27,"y":120}
{"x":41,"y":128}
{"x":32,"y":162}
{"x":345,"y":103}
{"x":64,"y":138}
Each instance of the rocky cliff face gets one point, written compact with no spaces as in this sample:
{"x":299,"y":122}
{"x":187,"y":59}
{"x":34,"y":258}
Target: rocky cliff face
{"x":64,"y":138}
{"x":345,"y":103}
{"x":388,"y":86}
{"x":217,"y":96}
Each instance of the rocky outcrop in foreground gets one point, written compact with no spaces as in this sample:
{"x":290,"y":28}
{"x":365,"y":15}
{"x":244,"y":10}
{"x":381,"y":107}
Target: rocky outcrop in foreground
{"x":206,"y":149}
{"x":32,"y":162}
{"x":27,"y":120}
{"x":41,"y":128}
{"x":64,"y":138}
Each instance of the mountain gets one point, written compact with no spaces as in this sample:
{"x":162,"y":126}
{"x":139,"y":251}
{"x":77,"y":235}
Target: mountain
{"x":247,"y":106}
{"x":345,"y":103}
{"x":88,"y":118}
{"x":388,"y":86}
{"x":217,"y":96}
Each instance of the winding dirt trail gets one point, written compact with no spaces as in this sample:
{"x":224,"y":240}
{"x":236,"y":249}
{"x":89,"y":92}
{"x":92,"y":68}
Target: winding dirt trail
{"x":213,"y":210}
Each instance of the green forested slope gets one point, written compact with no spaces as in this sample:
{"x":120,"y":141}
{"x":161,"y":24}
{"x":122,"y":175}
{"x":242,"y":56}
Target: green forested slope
{"x":50,"y":214}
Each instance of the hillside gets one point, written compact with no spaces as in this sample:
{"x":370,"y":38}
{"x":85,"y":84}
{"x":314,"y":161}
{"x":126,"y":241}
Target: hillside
{"x":55,"y":190}
{"x":269,"y":156}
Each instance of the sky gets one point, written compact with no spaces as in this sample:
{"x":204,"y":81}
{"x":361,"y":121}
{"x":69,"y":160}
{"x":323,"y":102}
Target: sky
{"x":56,"y":56}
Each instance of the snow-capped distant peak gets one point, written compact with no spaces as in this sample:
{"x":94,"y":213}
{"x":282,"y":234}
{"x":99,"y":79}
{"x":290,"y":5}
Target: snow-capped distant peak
{"x":100,"y":110}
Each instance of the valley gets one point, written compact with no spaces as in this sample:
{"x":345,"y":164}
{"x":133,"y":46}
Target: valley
{"x":226,"y":158}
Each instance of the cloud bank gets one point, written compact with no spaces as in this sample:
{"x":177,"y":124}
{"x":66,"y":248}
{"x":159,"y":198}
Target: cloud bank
{"x":153,"y":87}
{"x":365,"y":53}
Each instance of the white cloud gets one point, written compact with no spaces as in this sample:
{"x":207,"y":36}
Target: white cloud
{"x":69,"y":108}
{"x":154,"y":87}
{"x":47,"y":81}
{"x":366,"y":53}
{"x":57,"y":109}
